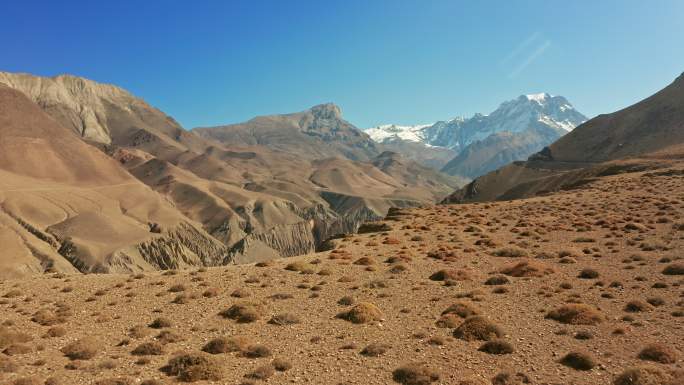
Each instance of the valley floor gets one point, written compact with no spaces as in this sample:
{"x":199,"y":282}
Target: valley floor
{"x":611,"y":252}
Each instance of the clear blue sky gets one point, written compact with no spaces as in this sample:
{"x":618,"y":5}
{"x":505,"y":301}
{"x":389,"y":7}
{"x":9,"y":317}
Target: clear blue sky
{"x":217,"y":62}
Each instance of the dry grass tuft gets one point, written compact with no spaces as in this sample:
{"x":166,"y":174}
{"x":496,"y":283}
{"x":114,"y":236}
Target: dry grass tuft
{"x":83,"y":349}
{"x":191,"y":367}
{"x":152,"y":348}
{"x":660,"y":353}
{"x":643,"y":375}
{"x":578,"y":361}
{"x":510,"y":252}
{"x":478,"y":328}
{"x":262,"y":372}
{"x":226,"y":345}
{"x":281,"y":365}
{"x":375,"y":350}
{"x":462,"y":309}
{"x":637,"y":306}
{"x":160,"y":323}
{"x":364,"y":312}
{"x":244,"y":312}
{"x":450,"y":275}
{"x":527,"y":268}
{"x":417,"y":373}
{"x":674,"y":269}
{"x":256,"y":351}
{"x":576,"y":314}
{"x":497,"y":346}
{"x":510,"y":378}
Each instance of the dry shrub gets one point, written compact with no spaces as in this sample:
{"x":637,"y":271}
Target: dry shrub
{"x":373,"y":227}
{"x":153,"y":348}
{"x":510,"y":378}
{"x":497,"y":346}
{"x":478,"y":328}
{"x":659,"y":353}
{"x":191,"y":367}
{"x":177,"y":288}
{"x":284,"y":319}
{"x":46,"y":317}
{"x":637,"y":306}
{"x":497,"y":280}
{"x":576,"y":314}
{"x":674,"y":269}
{"x":262,"y":372}
{"x":301,"y":267}
{"x":160,"y":323}
{"x":138,"y":331}
{"x":527,"y":268}
{"x":346,"y":301}
{"x":226,"y":345}
{"x":644,"y":375}
{"x":416,"y":373}
{"x":450,"y":274}
{"x":588,"y":274}
{"x":281,"y":365}
{"x":448,"y":321}
{"x":365,"y":261}
{"x":244,"y":312}
{"x":256,"y":351}
{"x":375,"y":349}
{"x":364,"y":312}
{"x":510,"y":252}
{"x":82,"y":349}
{"x":578,"y":361}
{"x":169,"y":337}
{"x":462,"y":309}
{"x":656,"y":301}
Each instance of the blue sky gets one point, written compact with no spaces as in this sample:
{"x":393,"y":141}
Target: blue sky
{"x":216,"y":62}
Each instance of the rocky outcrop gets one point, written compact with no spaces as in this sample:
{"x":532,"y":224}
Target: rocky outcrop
{"x":288,"y":240}
{"x":183,"y":246}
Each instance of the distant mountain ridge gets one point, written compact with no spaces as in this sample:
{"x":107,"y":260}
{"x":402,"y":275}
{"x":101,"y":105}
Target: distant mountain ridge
{"x":274,"y":186}
{"x":533,"y":121}
{"x":642,"y":136}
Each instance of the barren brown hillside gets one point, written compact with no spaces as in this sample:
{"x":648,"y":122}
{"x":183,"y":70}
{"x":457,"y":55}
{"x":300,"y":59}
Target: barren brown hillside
{"x":281,"y":194}
{"x":582,"y":287}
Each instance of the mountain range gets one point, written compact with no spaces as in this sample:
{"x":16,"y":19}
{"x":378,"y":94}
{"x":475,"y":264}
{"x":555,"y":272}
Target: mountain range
{"x":98,"y":162}
{"x":639,"y":137}
{"x":473,"y":146}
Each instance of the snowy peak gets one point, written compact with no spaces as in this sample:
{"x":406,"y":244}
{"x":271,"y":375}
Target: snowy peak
{"x":533,"y":111}
{"x":390,"y":132}
{"x":539,"y":98}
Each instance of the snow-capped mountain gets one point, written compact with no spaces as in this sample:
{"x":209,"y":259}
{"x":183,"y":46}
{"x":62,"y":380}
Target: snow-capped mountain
{"x":539,"y":119}
{"x":516,"y":115}
{"x":389,"y":132}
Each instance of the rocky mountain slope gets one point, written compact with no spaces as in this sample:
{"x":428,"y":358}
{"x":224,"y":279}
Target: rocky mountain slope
{"x":260,"y":199}
{"x":317,"y":133}
{"x":636,"y":137}
{"x":66,"y":206}
{"x":480,"y":143}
